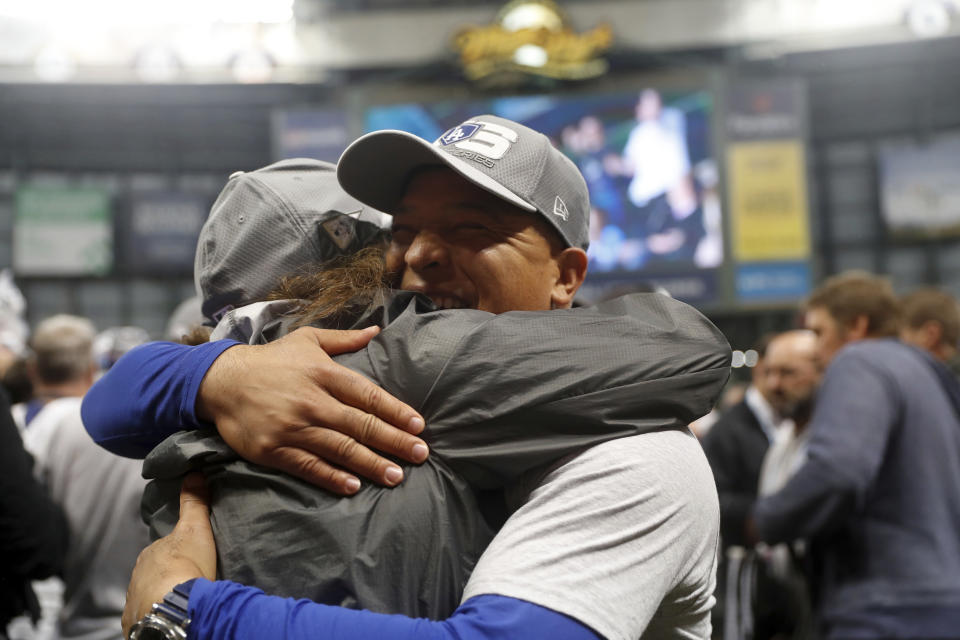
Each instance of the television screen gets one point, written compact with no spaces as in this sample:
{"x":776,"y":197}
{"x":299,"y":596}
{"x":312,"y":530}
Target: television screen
{"x":649,"y":165}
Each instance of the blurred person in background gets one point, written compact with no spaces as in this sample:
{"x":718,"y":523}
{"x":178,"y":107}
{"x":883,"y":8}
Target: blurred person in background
{"x":877,"y":497}
{"x":931,"y":321}
{"x":792,"y":371}
{"x":60,"y":365}
{"x":780,"y":594}
{"x":110,"y":344}
{"x":33,"y":532}
{"x":98,"y":491}
{"x":60,"y":368}
{"x":735,"y":446}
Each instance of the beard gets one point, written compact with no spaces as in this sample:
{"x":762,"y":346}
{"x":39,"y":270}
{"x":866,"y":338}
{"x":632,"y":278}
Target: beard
{"x":800,"y":410}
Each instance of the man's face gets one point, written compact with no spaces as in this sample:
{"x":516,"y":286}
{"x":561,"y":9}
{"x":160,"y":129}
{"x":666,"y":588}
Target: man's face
{"x":792,"y":374}
{"x":831,"y":336}
{"x":465,"y":248}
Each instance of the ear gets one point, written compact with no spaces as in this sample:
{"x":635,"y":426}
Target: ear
{"x":571,"y":270}
{"x":932,"y":332}
{"x":859,"y":328}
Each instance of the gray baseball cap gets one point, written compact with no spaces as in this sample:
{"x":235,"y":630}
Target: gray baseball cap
{"x":272,"y":223}
{"x":506,"y":158}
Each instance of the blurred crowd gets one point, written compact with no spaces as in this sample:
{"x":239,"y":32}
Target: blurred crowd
{"x":70,"y":524}
{"x":837,"y":467}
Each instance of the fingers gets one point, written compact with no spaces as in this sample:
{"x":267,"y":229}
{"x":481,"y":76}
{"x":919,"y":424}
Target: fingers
{"x":309,"y":468}
{"x":355,"y":391}
{"x":193,"y":535}
{"x":194,"y":499}
{"x":337,"y":342}
{"x":354,"y":452}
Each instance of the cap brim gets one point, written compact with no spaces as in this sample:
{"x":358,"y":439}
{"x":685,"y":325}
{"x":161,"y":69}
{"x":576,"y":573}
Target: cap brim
{"x":376,"y":167}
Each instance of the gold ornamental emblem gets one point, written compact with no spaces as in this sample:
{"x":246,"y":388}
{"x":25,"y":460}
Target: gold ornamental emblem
{"x":532,"y":37}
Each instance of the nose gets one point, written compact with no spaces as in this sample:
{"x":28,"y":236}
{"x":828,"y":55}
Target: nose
{"x":427,"y":251}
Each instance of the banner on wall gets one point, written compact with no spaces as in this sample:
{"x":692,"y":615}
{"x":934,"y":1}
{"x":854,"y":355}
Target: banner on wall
{"x":919,"y":185}
{"x":320,"y":134}
{"x":160,"y":233}
{"x":62,"y":231}
{"x":768,"y":200}
{"x":767,"y":189}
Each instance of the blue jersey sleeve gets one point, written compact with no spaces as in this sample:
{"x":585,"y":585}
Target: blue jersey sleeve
{"x":148,"y":395}
{"x":225,"y":610}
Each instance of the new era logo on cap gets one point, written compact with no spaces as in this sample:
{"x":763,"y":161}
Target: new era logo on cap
{"x":560,"y":209}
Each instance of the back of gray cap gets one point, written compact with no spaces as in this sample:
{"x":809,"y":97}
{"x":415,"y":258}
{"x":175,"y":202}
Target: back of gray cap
{"x":272,"y":223}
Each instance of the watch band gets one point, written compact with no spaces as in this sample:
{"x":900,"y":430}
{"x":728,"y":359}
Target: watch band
{"x":167,"y":620}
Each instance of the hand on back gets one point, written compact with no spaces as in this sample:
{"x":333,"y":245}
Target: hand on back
{"x":289,"y":406}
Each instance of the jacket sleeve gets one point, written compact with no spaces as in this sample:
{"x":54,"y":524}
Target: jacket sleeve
{"x":148,"y":395}
{"x":851,"y":426}
{"x":503,"y":394}
{"x":33,"y":530}
{"x":228,"y":611}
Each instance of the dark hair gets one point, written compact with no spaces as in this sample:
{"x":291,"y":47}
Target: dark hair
{"x":858,"y":293}
{"x":198,"y":334}
{"x":933,"y":305}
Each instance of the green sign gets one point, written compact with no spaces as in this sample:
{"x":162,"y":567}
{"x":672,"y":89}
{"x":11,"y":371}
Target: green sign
{"x":62,"y":231}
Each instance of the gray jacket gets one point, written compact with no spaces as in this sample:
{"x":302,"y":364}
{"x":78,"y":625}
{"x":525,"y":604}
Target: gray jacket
{"x":501,"y":395}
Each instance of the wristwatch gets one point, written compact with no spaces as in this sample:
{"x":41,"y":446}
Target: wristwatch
{"x":167,"y":620}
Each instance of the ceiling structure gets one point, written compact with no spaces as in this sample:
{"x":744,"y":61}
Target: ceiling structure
{"x":256,"y":41}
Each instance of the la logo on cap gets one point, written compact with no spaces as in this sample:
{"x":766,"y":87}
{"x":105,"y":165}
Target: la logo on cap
{"x":458,"y":133}
{"x":560,"y":208}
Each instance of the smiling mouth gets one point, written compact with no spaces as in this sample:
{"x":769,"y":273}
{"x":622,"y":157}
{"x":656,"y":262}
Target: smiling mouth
{"x":447,"y":302}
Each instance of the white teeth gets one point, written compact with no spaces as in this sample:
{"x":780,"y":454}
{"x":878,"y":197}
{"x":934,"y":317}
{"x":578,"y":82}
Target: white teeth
{"x":448,"y":303}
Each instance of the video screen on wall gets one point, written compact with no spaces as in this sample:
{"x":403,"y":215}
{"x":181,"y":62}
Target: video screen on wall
{"x":650,"y":168}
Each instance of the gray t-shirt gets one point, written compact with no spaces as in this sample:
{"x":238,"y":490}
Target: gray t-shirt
{"x":623,"y":537}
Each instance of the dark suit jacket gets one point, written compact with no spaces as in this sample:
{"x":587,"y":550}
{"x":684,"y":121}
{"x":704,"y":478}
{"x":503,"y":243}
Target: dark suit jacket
{"x":735,"y":447}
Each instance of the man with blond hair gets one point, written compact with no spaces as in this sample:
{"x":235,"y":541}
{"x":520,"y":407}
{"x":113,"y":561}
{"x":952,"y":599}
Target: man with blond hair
{"x":877,"y":495}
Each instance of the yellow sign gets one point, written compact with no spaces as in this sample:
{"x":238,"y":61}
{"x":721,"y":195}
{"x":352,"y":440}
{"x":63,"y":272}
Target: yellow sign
{"x":532,"y":37}
{"x":768,"y":200}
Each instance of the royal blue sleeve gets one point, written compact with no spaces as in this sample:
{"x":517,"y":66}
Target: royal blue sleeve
{"x":225,"y":610}
{"x":148,"y":395}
